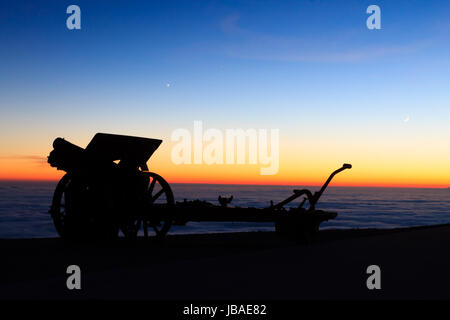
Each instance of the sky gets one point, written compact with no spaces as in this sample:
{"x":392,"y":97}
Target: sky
{"x":336,"y":91}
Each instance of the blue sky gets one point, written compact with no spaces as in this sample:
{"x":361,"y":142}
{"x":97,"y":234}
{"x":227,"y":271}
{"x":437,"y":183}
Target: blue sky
{"x":235,"y":55}
{"x":310,"y":68}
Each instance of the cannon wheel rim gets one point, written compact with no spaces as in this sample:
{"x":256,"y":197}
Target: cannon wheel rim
{"x":58,"y":209}
{"x":162,"y":227}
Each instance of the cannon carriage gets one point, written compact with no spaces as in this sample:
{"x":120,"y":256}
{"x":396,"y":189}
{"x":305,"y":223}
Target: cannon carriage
{"x":107,"y":189}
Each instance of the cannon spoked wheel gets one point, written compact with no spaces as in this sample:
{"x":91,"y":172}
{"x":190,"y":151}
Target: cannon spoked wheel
{"x":58,"y":208}
{"x":159,"y":196}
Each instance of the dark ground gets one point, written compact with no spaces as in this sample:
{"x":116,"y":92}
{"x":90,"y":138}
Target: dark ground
{"x":414,"y":262}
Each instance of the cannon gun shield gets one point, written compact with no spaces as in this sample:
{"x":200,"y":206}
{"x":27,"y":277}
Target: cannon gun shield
{"x":134,"y":151}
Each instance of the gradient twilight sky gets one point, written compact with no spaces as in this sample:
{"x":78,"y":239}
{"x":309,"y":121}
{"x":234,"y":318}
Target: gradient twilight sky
{"x":338,"y":92}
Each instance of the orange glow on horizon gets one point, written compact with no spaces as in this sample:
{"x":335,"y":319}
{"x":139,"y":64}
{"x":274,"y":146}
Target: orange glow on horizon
{"x":406,"y":170}
{"x":256,"y":183}
{"x":172,"y":176}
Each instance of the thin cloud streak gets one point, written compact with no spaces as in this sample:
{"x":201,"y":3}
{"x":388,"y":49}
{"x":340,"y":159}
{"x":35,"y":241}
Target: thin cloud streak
{"x":33,"y":158}
{"x":259,"y":46}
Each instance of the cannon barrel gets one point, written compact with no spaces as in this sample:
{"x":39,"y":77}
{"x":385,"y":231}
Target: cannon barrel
{"x":65,"y":155}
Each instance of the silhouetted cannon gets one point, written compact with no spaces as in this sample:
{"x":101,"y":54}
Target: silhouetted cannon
{"x":107,"y":188}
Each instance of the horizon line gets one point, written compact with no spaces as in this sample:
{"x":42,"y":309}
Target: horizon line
{"x":409,"y":186}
